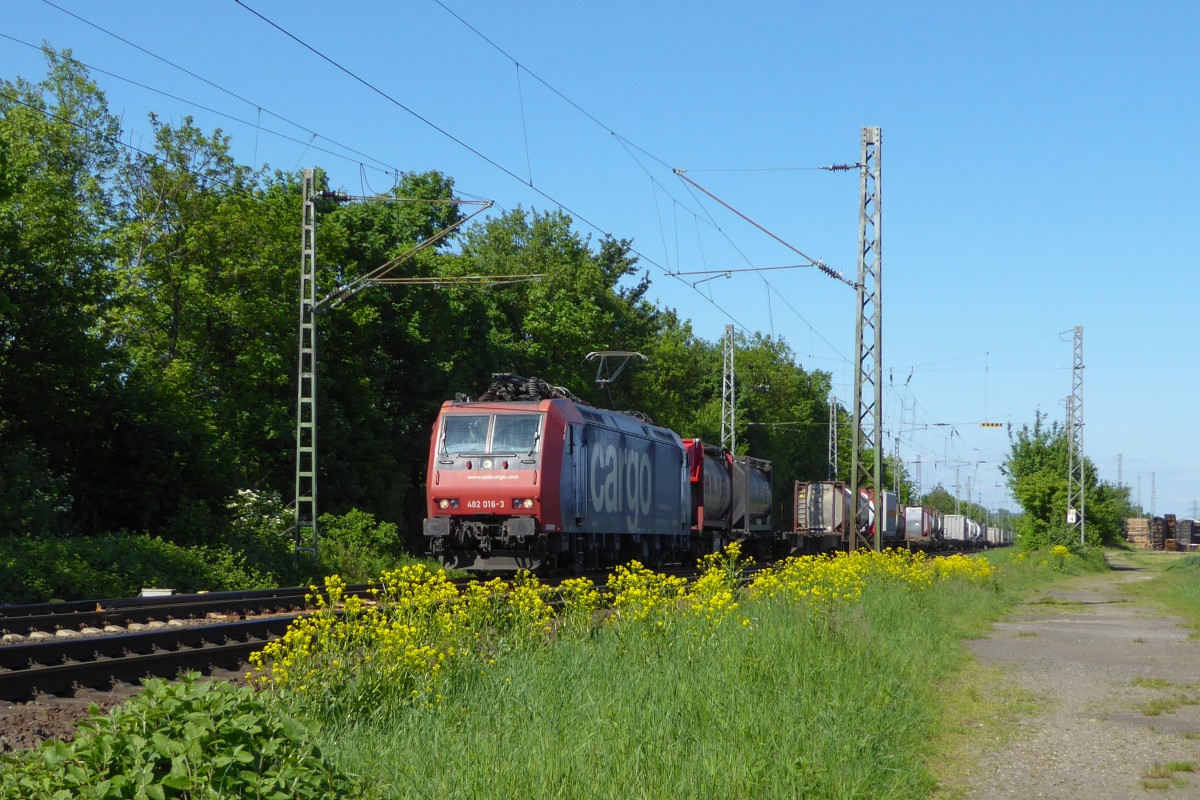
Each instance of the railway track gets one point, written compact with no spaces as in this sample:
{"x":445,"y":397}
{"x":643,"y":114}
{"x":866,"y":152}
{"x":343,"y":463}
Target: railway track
{"x":61,"y":666}
{"x":144,"y":637}
{"x":68,"y":619}
{"x":55,"y":648}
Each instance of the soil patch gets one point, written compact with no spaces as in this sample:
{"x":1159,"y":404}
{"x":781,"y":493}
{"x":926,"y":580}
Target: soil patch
{"x":25,"y":725}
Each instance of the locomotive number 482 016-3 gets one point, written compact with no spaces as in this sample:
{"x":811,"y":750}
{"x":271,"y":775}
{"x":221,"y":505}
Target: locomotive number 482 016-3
{"x":485,"y":504}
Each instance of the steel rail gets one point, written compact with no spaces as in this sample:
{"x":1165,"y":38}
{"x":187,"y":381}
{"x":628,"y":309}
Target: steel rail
{"x":60,"y":666}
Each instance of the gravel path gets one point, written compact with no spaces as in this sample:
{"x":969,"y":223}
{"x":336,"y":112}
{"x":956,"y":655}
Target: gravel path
{"x":1098,"y":662}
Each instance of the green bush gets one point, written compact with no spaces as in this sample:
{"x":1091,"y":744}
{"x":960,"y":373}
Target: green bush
{"x":1033,"y":534}
{"x":256,"y":551}
{"x":32,"y":496}
{"x":359,"y":549}
{"x":39,"y":568}
{"x":183,"y":739}
{"x":263,"y":531}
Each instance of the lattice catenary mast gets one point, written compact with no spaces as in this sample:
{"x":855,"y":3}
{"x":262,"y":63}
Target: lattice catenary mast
{"x":306,"y":531}
{"x":728,"y":395}
{"x":866,"y":448}
{"x":1076,"y":484}
{"x":833,"y":436}
{"x":306,"y":382}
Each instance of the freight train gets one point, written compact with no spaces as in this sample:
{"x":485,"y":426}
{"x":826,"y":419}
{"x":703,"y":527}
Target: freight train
{"x":530,"y":477}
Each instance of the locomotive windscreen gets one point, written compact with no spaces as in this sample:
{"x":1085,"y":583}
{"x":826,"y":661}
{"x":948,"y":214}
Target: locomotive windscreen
{"x":490,"y":433}
{"x":516,"y":432}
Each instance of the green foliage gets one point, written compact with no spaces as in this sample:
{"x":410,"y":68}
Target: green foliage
{"x":55,"y":374}
{"x":263,"y":531}
{"x":939,"y":499}
{"x":40,"y":568}
{"x":259,"y":553}
{"x":356,"y":547}
{"x":1037,"y":469}
{"x":32,"y":497}
{"x":1174,"y":582}
{"x":182,"y":739}
{"x":691,"y":714}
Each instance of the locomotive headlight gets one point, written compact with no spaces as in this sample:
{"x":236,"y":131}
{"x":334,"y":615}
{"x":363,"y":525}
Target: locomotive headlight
{"x":488,"y":463}
{"x":526,"y":502}
{"x":445,"y":503}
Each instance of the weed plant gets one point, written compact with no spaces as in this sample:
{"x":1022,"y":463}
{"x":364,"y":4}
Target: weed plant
{"x":259,"y":553}
{"x":187,"y":739}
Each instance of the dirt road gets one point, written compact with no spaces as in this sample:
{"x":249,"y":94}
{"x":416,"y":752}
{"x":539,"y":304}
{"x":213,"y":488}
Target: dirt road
{"x":1119,"y":690}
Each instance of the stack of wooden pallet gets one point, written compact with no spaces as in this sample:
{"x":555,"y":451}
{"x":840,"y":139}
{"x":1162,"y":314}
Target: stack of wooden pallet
{"x":1145,"y":533}
{"x":1186,"y":532}
{"x":1158,"y":533}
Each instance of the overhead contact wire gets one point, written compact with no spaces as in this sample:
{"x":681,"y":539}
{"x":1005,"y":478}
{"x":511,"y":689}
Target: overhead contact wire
{"x":786,"y":244}
{"x":463,"y":144}
{"x":383,"y":165}
{"x":626,"y":144}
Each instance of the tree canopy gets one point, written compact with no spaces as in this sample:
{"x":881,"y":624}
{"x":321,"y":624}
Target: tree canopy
{"x":1036,"y":471}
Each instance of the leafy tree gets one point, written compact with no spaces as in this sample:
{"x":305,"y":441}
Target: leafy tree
{"x":1036,"y":471}
{"x":205,"y":311}
{"x":938,"y":499}
{"x":392,"y":354}
{"x":680,"y":381}
{"x":545,"y":328}
{"x":58,"y":153}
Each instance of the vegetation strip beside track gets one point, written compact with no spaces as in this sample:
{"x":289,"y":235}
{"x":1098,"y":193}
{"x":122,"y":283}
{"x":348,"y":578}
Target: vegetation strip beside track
{"x":609,"y":697}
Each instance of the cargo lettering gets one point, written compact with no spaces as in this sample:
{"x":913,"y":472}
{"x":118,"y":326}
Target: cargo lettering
{"x":622,"y":482}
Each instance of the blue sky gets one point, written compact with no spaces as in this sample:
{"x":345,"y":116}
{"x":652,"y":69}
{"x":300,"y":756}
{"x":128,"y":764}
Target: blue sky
{"x":1036,"y":166}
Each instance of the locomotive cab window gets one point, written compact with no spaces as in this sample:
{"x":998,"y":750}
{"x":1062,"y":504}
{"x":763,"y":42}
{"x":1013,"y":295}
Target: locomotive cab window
{"x":490,"y":433}
{"x":517,"y":433}
{"x":462,"y":433}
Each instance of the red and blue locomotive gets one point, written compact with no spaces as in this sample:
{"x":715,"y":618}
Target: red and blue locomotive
{"x":541,"y":479}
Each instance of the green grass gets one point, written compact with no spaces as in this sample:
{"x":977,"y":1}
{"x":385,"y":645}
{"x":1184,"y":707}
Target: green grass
{"x":1160,"y":777}
{"x":796,"y":705}
{"x":1166,"y":705}
{"x":799,"y":698}
{"x":1174,"y":585}
{"x":980,"y":708}
{"x":878,"y":700}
